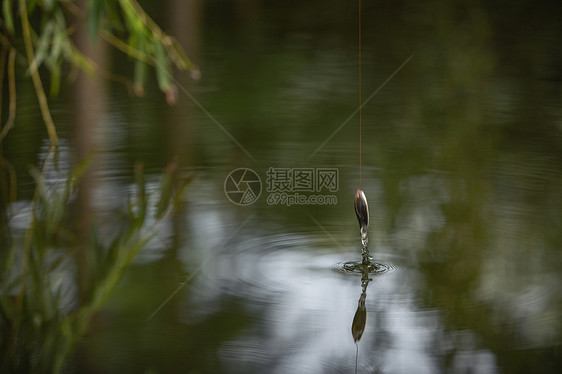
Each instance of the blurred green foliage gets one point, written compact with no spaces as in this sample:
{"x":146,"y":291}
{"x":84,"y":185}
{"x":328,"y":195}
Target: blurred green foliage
{"x":42,"y":317}
{"x":43,"y":38}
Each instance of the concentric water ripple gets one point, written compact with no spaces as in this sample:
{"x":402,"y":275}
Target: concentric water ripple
{"x":358,"y":268}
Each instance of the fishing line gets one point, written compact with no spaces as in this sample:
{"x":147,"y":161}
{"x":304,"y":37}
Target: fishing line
{"x":356,"y":355}
{"x":360,"y":99}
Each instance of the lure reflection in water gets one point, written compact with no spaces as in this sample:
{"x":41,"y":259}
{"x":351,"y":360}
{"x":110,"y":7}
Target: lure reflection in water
{"x":362,"y":212}
{"x":360,"y":317}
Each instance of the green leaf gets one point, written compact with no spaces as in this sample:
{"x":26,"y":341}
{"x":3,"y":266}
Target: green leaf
{"x":59,"y":17}
{"x":166,"y":189}
{"x":162,"y":67}
{"x":132,"y":19}
{"x":43,"y":43}
{"x":95,"y":9}
{"x":77,"y":173}
{"x":114,"y":20}
{"x":82,"y":62}
{"x":140,"y":77}
{"x":184,"y":62}
{"x":55,"y":81}
{"x":8,"y":308}
{"x":140,"y":68}
{"x":79,"y":170}
{"x":8,"y":19}
{"x":112,"y":255}
{"x":31,"y":5}
{"x":49,"y":4}
{"x":182,"y":190}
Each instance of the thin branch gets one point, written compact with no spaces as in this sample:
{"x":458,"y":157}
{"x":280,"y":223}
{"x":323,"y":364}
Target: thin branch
{"x":172,"y":47}
{"x":117,"y":78}
{"x":5,"y":42}
{"x":44,"y":106}
{"x":11,"y":184}
{"x":12,"y":91}
{"x":7,"y":45}
{"x":3,"y":57}
{"x":126,"y":48}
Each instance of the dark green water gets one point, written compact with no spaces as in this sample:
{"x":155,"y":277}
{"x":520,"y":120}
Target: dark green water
{"x":462,"y":167}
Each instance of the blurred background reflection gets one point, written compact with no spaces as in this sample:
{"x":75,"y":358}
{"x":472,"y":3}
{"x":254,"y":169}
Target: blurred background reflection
{"x":462,"y":166}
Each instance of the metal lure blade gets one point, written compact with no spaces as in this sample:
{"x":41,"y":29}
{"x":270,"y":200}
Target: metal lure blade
{"x":362,"y":209}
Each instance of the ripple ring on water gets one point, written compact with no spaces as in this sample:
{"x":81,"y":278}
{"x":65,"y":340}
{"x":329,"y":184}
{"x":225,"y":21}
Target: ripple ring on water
{"x":358,"y":268}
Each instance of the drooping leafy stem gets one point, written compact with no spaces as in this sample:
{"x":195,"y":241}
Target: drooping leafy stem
{"x":37,"y":326}
{"x":18,"y":301}
{"x":44,"y":106}
{"x":48,"y":44}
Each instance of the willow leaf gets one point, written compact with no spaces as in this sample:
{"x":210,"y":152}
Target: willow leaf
{"x":162,"y":67}
{"x":43,"y":43}
{"x":8,"y":16}
{"x":55,"y":80}
{"x":94,"y":12}
{"x":140,"y":77}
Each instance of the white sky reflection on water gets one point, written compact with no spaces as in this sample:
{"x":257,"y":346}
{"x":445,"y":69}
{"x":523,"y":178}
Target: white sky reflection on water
{"x":307,"y":309}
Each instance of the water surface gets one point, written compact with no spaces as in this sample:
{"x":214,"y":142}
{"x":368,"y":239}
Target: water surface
{"x":462,"y":166}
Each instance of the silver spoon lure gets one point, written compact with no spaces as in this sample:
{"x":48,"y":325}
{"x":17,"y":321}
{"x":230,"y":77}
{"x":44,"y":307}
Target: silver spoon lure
{"x":362,"y":212}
